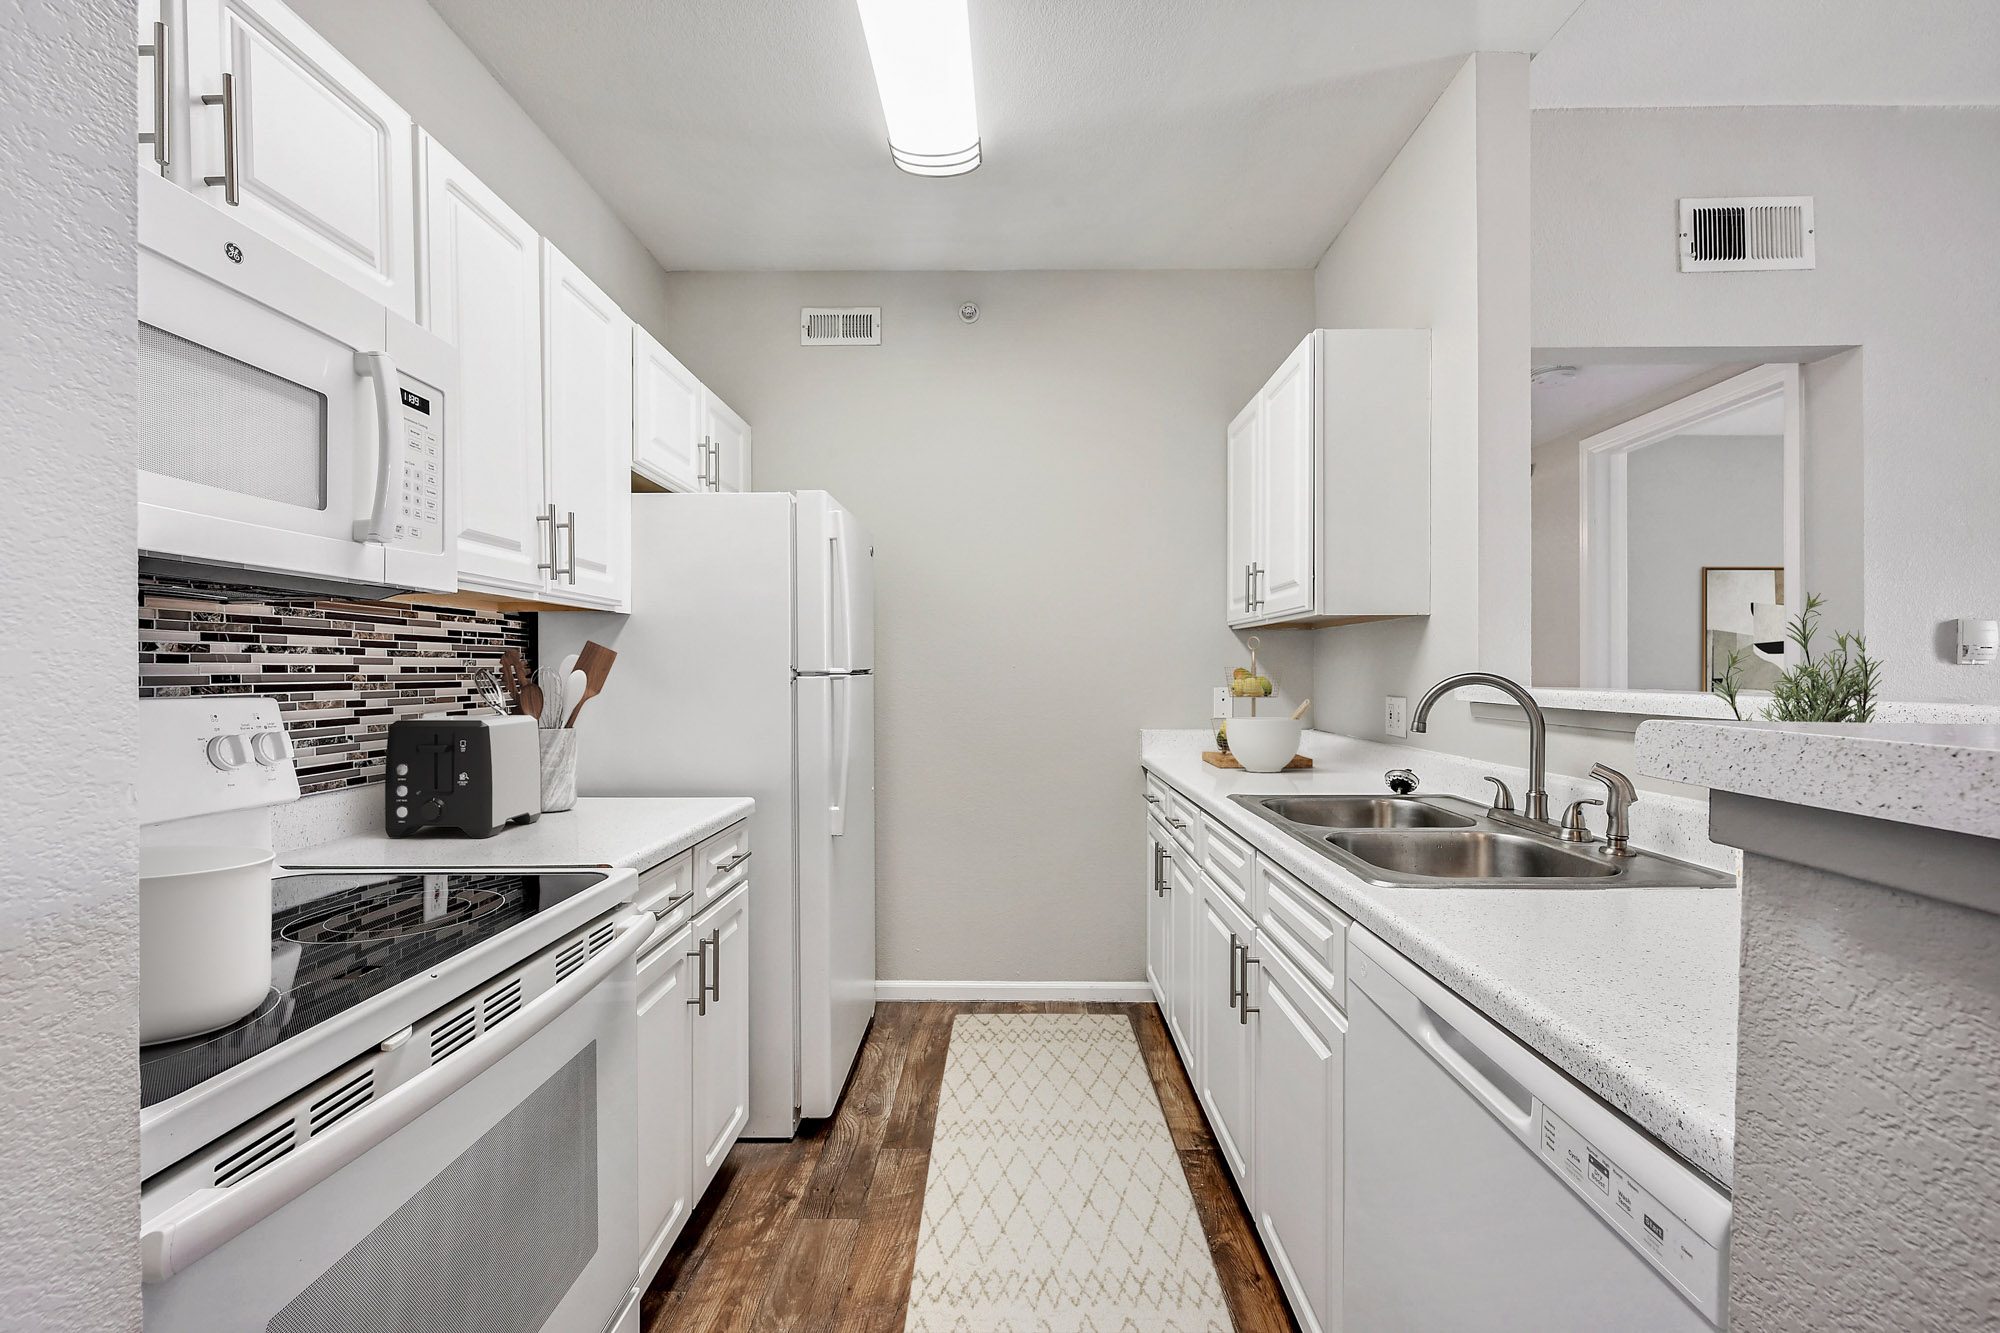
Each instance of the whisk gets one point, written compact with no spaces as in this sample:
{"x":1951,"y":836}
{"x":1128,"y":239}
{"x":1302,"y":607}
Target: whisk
{"x":554,"y":683}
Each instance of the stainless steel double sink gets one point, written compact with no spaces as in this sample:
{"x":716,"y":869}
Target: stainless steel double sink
{"x":1443,"y":842}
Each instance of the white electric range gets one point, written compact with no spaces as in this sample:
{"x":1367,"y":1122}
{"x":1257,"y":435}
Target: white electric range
{"x":429,"y":1122}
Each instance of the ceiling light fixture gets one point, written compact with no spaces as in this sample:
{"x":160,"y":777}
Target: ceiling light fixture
{"x":922,"y":53}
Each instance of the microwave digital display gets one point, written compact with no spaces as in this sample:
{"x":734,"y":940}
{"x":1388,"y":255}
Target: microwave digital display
{"x":416,"y":402}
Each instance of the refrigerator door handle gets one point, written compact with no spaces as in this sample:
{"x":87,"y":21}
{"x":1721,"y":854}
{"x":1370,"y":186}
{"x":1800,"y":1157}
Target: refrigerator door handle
{"x":841,"y":642}
{"x":843,"y":755}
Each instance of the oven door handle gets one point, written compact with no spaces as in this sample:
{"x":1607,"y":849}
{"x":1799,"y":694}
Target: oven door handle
{"x":210,"y":1218}
{"x":377,"y":366}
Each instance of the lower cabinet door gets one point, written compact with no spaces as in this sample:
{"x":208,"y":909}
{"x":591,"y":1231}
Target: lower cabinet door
{"x":721,"y":1031}
{"x":1299,"y":1194}
{"x":1159,"y":919}
{"x":666,"y":977}
{"x":1227,"y":1086}
{"x":1183,"y":911}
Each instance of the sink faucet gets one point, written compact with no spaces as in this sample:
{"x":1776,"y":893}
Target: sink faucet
{"x":1536,"y":803}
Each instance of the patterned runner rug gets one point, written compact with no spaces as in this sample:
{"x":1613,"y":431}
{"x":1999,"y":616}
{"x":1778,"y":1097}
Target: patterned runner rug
{"x":1055,"y":1201}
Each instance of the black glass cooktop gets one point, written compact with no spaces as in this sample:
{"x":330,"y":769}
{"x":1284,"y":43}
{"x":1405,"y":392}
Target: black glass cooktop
{"x":357,"y":935}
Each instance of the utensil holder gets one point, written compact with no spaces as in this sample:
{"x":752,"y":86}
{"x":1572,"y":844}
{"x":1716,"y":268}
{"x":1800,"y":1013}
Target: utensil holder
{"x":558,"y":768}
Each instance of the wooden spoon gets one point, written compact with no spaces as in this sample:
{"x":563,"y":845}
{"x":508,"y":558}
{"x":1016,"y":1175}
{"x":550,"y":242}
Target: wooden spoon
{"x":514,"y":675}
{"x":595,"y":663}
{"x":531,"y":700}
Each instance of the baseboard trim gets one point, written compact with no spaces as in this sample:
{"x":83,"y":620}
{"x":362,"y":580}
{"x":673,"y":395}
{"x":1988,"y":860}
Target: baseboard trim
{"x":1107,"y":992}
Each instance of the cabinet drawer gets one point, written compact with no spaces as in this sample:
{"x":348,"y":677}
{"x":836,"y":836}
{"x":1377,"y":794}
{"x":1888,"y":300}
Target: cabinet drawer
{"x":1184,"y":821}
{"x":722,"y":862}
{"x":667,"y":891}
{"x":1301,"y":923}
{"x":1228,"y":861}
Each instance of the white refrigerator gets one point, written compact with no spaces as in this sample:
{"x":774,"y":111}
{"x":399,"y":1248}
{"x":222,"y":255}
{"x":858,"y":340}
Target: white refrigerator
{"x":746,"y":668}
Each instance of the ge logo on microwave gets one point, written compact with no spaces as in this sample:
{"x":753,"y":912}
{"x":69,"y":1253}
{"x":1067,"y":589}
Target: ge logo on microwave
{"x":233,"y":251}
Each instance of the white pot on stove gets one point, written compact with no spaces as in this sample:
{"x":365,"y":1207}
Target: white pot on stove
{"x":204,"y":938}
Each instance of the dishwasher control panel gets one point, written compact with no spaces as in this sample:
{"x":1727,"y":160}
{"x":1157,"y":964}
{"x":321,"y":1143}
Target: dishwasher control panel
{"x":1695,"y":1266}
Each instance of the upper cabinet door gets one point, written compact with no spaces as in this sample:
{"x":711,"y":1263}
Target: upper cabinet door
{"x":311,"y":153}
{"x":482,"y":292}
{"x":1239,"y":569}
{"x":1286,"y":494}
{"x":729,"y":447}
{"x":669,"y":416}
{"x":587,"y":388}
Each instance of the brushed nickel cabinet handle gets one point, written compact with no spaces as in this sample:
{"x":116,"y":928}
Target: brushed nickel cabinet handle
{"x":571,"y":525}
{"x":227,"y":101}
{"x":1245,"y":1008}
{"x":161,"y":132}
{"x":548,"y":516}
{"x":1235,"y":986}
{"x":700,"y":955}
{"x":715,"y":972}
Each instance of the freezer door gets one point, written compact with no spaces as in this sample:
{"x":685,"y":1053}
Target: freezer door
{"x":836,"y":587}
{"x":836,"y":743}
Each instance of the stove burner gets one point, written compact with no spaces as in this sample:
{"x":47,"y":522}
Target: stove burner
{"x":393,"y":916}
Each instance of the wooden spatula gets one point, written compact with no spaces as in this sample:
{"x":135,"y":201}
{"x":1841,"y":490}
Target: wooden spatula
{"x":595,"y":663}
{"x":514,"y":676}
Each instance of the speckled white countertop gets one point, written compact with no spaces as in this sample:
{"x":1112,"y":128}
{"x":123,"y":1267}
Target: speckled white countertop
{"x":1632,"y":992}
{"x":621,"y":831}
{"x":1944,"y":776}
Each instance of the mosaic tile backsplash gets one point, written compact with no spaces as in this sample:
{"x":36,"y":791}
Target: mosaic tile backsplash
{"x":341,"y":671}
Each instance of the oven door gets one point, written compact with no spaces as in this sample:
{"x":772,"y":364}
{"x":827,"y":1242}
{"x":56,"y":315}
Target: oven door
{"x":288,"y":425}
{"x":492,"y":1193}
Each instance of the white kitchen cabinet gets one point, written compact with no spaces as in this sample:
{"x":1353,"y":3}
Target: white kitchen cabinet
{"x":683,"y":437}
{"x":719,"y":1077}
{"x":1184,"y":910}
{"x":1297,"y":1190}
{"x":1241,"y":536}
{"x":1328,"y":471}
{"x":1159,"y":914}
{"x":669,"y":413}
{"x":482,"y":293}
{"x":666,"y":1019}
{"x":288,"y":134}
{"x":587,"y":405}
{"x":1226,"y":1087}
{"x":729,"y":446}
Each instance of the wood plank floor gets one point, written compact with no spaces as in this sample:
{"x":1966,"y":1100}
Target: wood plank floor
{"x":821,"y":1233}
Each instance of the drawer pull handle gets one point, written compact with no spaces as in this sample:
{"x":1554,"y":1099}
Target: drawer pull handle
{"x":728,"y":863}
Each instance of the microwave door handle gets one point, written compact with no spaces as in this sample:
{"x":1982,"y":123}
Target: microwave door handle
{"x":210,"y":1218}
{"x":377,"y":366}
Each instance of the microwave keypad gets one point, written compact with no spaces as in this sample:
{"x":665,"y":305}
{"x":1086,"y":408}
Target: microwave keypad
{"x":422,"y":512}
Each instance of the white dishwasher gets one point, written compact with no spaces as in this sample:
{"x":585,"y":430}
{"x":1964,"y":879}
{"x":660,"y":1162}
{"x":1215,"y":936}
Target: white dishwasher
{"x":1487,"y":1191}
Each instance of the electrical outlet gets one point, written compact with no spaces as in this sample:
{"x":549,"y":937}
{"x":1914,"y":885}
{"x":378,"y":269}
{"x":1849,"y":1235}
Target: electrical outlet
{"x":1220,"y":706}
{"x":1395,"y":715}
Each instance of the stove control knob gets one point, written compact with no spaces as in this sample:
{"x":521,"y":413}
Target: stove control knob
{"x":229,"y":752}
{"x":272,"y":748}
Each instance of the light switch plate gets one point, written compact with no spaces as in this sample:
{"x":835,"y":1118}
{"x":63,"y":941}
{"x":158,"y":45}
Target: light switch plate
{"x":1395,"y":715}
{"x":1220,"y":706}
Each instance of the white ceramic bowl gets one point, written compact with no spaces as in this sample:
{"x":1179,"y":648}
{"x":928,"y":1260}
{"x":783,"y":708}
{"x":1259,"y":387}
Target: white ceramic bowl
{"x":1264,"y":744}
{"x":204,"y":938}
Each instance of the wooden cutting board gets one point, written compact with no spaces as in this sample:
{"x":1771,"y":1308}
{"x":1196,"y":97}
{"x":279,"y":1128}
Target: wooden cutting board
{"x":1221,"y":760}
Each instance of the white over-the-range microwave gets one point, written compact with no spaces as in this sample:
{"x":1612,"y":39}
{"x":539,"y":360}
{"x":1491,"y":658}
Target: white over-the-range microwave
{"x":293,"y":433}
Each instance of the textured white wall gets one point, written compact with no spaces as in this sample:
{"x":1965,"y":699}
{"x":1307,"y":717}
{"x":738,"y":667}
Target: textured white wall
{"x":417,"y":59}
{"x":69,"y":904}
{"x":1045,"y":489}
{"x":1441,"y":243}
{"x":1868,"y":1077}
{"x":1904,"y":203}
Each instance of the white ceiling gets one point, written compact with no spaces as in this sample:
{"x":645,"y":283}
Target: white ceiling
{"x":746,"y":134}
{"x":1560,"y":406}
{"x":1773,"y":53}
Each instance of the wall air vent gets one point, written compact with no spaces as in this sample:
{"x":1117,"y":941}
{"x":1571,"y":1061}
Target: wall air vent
{"x":840,"y":326}
{"x":1737,"y":235}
